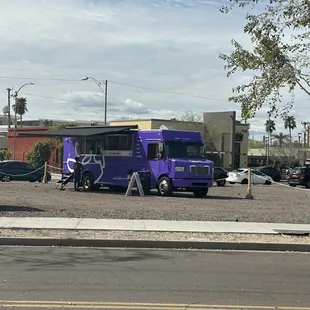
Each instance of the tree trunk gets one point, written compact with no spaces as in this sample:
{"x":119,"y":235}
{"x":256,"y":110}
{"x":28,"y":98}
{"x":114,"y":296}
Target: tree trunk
{"x":290,"y":135}
{"x":21,"y":121}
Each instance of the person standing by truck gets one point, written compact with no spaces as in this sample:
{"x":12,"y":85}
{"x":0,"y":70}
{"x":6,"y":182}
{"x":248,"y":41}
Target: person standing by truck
{"x":77,"y":170}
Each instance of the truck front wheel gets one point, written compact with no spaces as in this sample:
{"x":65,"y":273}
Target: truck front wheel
{"x":164,"y":186}
{"x":200,"y":192}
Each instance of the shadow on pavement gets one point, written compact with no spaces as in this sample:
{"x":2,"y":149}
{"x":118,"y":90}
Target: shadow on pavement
{"x":225,"y":198}
{"x":37,"y":258}
{"x":10,"y":208}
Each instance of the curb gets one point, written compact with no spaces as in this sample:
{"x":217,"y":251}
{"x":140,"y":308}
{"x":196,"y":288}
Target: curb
{"x":155,"y":244}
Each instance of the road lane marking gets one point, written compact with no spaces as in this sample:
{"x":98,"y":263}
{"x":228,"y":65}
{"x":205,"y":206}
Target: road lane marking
{"x":138,"y":306}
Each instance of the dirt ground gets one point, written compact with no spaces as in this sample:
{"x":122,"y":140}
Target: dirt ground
{"x":274,"y":203}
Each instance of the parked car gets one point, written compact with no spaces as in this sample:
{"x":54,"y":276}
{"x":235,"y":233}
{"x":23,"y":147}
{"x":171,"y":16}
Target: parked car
{"x":220,"y":175}
{"x":241,"y":176}
{"x":299,"y":176}
{"x":14,"y":170}
{"x":272,"y":172}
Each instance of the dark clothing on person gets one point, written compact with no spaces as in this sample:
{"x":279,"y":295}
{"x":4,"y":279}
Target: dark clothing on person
{"x":77,"y":167}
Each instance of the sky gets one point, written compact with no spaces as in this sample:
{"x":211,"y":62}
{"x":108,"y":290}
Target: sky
{"x":160,"y":58}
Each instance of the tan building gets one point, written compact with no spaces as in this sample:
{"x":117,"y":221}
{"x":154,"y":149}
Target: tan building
{"x":155,"y":123}
{"x":225,"y":139}
{"x":229,"y":136}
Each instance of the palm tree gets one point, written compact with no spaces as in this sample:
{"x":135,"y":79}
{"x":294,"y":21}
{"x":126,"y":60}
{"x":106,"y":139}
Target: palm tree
{"x":280,"y":138}
{"x":20,"y":108}
{"x":290,"y":124}
{"x":270,"y":128}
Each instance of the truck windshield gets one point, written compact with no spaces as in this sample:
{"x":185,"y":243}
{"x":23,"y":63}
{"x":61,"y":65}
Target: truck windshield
{"x":179,"y":149}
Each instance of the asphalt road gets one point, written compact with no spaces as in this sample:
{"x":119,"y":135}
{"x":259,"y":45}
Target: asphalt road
{"x":113,"y":276}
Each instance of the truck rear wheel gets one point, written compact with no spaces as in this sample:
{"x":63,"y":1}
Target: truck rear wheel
{"x":200,"y":192}
{"x":164,"y":186}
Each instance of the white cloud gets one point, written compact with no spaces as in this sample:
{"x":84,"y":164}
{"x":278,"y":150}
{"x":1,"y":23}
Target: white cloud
{"x":170,"y":45}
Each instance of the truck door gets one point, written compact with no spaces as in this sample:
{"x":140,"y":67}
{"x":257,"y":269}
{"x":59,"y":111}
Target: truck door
{"x":157,"y":158}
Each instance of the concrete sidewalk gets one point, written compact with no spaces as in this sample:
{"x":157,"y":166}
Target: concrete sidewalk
{"x":151,"y":225}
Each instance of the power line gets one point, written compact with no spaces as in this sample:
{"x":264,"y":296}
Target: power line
{"x":166,"y":91}
{"x":38,"y":79}
{"x":119,"y":83}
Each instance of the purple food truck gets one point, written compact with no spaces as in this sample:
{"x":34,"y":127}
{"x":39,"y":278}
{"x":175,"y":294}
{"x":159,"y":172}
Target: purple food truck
{"x":168,"y":160}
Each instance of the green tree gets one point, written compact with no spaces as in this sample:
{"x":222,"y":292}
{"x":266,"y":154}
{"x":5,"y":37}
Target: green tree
{"x":270,"y":127}
{"x":20,"y":108}
{"x":290,"y":124}
{"x":280,"y":138}
{"x":256,"y":144}
{"x":190,"y":116}
{"x":246,"y":113}
{"x":48,"y":123}
{"x":94,"y":124}
{"x":280,"y":35}
{"x":5,"y":154}
{"x":40,"y":153}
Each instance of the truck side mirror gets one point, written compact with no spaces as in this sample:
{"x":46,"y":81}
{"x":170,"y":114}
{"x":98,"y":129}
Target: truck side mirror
{"x":160,"y":147}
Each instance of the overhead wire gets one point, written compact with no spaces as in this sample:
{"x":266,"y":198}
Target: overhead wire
{"x":119,"y":83}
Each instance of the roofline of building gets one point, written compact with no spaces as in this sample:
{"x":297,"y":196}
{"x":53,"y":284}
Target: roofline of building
{"x":60,"y":120}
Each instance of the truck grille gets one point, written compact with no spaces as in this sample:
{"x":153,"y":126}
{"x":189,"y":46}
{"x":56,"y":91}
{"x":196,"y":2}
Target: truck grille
{"x":199,"y":170}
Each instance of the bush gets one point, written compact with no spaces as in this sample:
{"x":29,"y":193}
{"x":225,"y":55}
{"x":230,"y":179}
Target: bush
{"x":40,"y":153}
{"x":5,"y":154}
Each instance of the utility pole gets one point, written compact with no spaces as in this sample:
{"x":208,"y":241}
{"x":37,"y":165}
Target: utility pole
{"x":305,"y":124}
{"x":105,"y":102}
{"x":105,"y":92}
{"x":9,"y":107}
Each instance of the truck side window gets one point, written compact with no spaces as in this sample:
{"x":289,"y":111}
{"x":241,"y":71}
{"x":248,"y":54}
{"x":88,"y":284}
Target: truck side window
{"x":152,"y":151}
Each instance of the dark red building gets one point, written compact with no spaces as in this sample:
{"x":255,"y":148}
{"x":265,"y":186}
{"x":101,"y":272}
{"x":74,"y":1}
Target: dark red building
{"x":23,"y":144}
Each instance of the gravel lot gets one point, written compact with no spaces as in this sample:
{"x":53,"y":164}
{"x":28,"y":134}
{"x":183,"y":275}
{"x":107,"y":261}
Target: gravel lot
{"x":274,"y":203}
{"x":134,"y":235}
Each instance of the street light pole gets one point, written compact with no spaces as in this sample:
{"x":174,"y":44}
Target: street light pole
{"x":9,"y":107}
{"x":15,"y":120}
{"x":105,"y":102}
{"x":105,"y":92}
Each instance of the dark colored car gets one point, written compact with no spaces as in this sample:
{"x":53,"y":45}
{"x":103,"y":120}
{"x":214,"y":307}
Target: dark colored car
{"x":274,"y":173}
{"x":220,"y":174}
{"x":14,"y":170}
{"x":299,"y":176}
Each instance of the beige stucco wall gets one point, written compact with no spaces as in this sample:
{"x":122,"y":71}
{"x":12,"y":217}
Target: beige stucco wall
{"x":3,"y":142}
{"x":243,"y":129}
{"x":156,"y":123}
{"x":221,"y":131}
{"x":142,"y":124}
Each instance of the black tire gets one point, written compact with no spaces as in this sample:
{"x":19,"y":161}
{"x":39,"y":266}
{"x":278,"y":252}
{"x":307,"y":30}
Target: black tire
{"x":164,"y":186}
{"x":293,"y":185}
{"x":307,"y":185}
{"x":200,"y":192}
{"x":244,"y":181}
{"x":88,"y":182}
{"x":267,"y":182}
{"x":221,"y":183}
{"x":231,"y":182}
{"x":277,"y":178}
